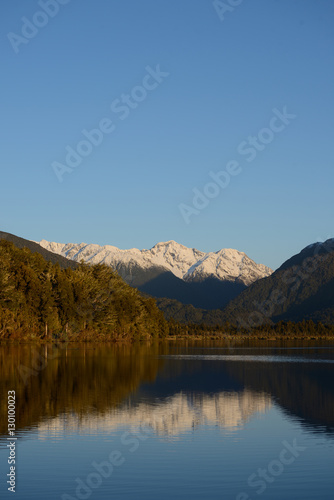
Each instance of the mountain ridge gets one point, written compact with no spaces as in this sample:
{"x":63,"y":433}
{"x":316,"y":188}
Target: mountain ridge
{"x":188,"y":264}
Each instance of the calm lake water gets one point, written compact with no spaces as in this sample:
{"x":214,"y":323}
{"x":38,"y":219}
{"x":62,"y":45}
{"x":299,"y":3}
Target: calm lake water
{"x":170,"y":421}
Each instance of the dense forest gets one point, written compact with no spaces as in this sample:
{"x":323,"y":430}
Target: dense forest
{"x":40,"y":299}
{"x":187,"y":313}
{"x":306,"y":329}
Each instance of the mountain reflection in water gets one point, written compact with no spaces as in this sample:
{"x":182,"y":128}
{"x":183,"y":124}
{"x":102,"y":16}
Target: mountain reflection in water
{"x":171,"y":417}
{"x":83,"y":387}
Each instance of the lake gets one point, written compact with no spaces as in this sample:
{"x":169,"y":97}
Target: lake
{"x":170,"y":420}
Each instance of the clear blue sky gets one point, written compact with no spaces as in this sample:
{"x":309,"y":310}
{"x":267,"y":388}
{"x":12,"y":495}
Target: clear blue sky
{"x":225,"y":76}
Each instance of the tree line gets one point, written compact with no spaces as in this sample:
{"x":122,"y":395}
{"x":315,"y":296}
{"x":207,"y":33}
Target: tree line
{"x":40,"y":299}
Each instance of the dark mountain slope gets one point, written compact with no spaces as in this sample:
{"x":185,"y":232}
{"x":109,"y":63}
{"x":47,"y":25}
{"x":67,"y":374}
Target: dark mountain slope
{"x":302,"y":288}
{"x":210,"y":293}
{"x":188,"y":313}
{"x":309,"y":252}
{"x":34,"y":247}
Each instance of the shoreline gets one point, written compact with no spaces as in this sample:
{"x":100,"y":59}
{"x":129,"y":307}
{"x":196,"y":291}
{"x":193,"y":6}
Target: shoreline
{"x":172,"y":338}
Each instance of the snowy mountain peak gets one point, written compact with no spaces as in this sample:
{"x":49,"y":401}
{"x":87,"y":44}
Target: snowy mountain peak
{"x":175,"y":257}
{"x":227,"y":264}
{"x":186,"y":263}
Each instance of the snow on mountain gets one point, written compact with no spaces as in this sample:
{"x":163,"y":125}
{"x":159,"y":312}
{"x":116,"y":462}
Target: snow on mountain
{"x":188,"y":264}
{"x":227,"y":264}
{"x":174,"y":257}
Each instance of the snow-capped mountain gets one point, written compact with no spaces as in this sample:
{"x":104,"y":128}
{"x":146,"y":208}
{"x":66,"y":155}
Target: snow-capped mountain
{"x":185,"y":263}
{"x":169,"y":269}
{"x":227,"y":264}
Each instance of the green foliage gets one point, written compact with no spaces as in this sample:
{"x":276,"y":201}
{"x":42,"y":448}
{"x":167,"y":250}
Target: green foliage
{"x":305,"y":329}
{"x":39,"y":298}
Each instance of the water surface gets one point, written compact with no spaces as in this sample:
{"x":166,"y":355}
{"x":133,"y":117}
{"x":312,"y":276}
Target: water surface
{"x":170,"y":420}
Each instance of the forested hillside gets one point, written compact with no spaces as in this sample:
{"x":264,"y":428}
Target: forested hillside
{"x":41,"y":299}
{"x":301,"y":289}
{"x":35,"y":247}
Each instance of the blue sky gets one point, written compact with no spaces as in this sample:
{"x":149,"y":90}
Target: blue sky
{"x":222,"y":78}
